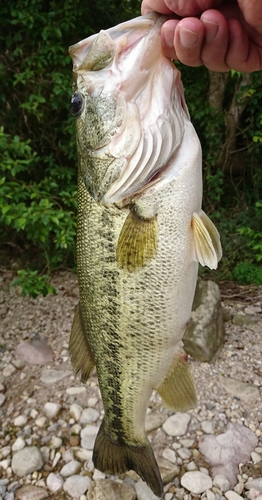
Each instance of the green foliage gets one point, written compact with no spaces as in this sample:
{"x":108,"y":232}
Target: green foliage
{"x":246,"y":273}
{"x":32,"y":284}
{"x":37,"y":146}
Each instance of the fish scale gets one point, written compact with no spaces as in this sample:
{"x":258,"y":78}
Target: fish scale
{"x":137,"y":248}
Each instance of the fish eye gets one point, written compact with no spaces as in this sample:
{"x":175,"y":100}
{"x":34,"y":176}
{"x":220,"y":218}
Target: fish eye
{"x":76,"y":104}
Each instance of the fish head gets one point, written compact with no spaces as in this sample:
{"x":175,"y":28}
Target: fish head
{"x":129,"y":108}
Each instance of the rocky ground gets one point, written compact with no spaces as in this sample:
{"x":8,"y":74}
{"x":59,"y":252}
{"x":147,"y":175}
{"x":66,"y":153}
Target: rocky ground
{"x":48,"y":419}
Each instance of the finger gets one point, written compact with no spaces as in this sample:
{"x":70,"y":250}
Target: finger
{"x":188,"y":40}
{"x":148,"y":6}
{"x":215,"y":43}
{"x":168,"y":35}
{"x":190,"y":8}
{"x":252,"y":12}
{"x":243,"y":54}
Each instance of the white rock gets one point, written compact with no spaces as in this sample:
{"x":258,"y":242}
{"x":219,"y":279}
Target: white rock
{"x":75,"y":429}
{"x":70,"y":468}
{"x":51,"y":409}
{"x":143,"y":492}
{"x":56,"y":459}
{"x":92,"y":401}
{"x":9,"y":370}
{"x":55,"y":442}
{"x":239,"y":488}
{"x":33,"y":413}
{"x":76,"y":485}
{"x":53,"y":376}
{"x":253,"y":494}
{"x":27,"y":460}
{"x":98,"y":475}
{"x":83,"y":455}
{"x":255,"y":483}
{"x":256,"y":457}
{"x":232,"y":495}
{"x":2,"y":399}
{"x":191,"y":466}
{"x":75,"y":390}
{"x":89,"y":416}
{"x":169,"y":455}
{"x":176,"y":425}
{"x":20,"y":421}
{"x":19,"y":444}
{"x":221,"y":482}
{"x":88,"y":436}
{"x":196,"y":482}
{"x":4,"y":464}
{"x":2,"y":387}
{"x":208,"y":426}
{"x":75,"y":411}
{"x":154,"y":420}
{"x":40,"y":422}
{"x":168,"y":496}
{"x":210,"y":495}
{"x":184,"y":453}
{"x":54,"y":482}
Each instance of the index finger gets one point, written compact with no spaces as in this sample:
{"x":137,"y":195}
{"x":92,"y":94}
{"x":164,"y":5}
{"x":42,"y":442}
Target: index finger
{"x":148,"y":6}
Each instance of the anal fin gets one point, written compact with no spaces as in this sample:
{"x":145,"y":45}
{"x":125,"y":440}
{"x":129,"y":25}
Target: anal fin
{"x":115,"y":457}
{"x":81,"y":357}
{"x":207,"y":240}
{"x":178,"y":389}
{"x":137,"y":242}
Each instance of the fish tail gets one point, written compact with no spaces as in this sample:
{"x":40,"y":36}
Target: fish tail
{"x":115,"y":457}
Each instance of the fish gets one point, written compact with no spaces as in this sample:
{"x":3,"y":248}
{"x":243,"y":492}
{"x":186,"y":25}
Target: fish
{"x":141,"y":234}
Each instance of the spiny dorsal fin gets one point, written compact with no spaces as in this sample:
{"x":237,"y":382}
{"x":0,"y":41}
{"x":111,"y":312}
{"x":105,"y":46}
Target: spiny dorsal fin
{"x":178,"y":389}
{"x":115,"y":457}
{"x":207,"y":240}
{"x":81,"y":357}
{"x":137,"y":243}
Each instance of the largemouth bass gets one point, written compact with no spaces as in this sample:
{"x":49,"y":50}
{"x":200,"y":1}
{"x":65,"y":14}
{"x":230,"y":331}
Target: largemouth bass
{"x":140,"y":235}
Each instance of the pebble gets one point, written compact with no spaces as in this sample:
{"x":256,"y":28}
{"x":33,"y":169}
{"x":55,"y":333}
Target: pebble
{"x":88,"y":436}
{"x":232,"y":495}
{"x":30,"y":492}
{"x":106,"y":489}
{"x":256,"y":457}
{"x":177,"y":424}
{"x":221,"y":482}
{"x":70,"y":468}
{"x":89,"y":416}
{"x":51,"y":409}
{"x":2,"y":387}
{"x":9,"y":370}
{"x":40,"y":422}
{"x":196,"y":482}
{"x":27,"y":460}
{"x":184,"y":453}
{"x":2,"y":399}
{"x":242,"y":390}
{"x":55,"y":442}
{"x":255,"y":483}
{"x":170,"y":455}
{"x":54,"y":482}
{"x":76,"y":485}
{"x":92,"y":401}
{"x":19,"y":444}
{"x":208,"y":426}
{"x":20,"y":421}
{"x":83,"y":455}
{"x":143,"y":492}
{"x":154,"y":420}
{"x":72,"y":391}
{"x":53,"y":376}
{"x":168,"y":470}
{"x":75,"y":411}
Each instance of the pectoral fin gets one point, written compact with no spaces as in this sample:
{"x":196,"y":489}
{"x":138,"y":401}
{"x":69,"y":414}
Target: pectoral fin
{"x":207,"y":240}
{"x":137,"y":243}
{"x":81,"y":357}
{"x":178,"y":389}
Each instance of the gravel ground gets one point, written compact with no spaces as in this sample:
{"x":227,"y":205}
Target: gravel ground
{"x":60,"y":434}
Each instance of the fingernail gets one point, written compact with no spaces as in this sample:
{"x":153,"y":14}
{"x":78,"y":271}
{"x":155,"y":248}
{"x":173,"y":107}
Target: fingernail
{"x":211,"y":30}
{"x":187,"y":37}
{"x":169,"y":37}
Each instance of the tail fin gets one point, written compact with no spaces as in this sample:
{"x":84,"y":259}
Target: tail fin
{"x":116,"y":458}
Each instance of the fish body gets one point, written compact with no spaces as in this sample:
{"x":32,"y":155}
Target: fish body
{"x":140,"y":235}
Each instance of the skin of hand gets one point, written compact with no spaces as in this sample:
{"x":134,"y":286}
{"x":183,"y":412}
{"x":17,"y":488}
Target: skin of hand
{"x":222,"y":35}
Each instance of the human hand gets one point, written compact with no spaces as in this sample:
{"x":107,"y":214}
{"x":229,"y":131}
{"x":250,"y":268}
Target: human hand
{"x":222,"y":35}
